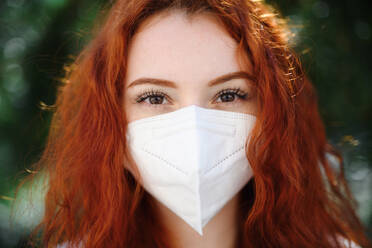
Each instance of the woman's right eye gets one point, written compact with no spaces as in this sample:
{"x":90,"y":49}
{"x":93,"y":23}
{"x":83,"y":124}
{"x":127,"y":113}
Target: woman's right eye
{"x":152,"y":98}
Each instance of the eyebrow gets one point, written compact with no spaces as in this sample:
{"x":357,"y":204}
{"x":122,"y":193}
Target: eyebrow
{"x":213,"y":82}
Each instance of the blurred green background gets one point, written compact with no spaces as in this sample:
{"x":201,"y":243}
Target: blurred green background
{"x":38,"y":37}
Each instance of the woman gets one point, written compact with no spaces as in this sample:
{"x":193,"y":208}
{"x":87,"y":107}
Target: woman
{"x":189,"y":123}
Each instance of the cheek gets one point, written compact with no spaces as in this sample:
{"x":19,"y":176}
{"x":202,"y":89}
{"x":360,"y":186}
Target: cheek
{"x":253,"y":106}
{"x":252,"y":109}
{"x":129,"y":111}
{"x":248,"y":107}
{"x":134,"y":111}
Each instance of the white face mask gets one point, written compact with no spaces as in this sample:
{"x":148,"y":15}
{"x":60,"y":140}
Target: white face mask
{"x":193,"y":159}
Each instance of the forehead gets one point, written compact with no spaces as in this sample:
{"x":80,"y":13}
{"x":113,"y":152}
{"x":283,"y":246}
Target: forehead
{"x":174,"y":47}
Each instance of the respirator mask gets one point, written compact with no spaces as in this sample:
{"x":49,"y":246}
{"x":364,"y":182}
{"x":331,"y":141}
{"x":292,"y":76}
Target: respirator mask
{"x":192,"y":160}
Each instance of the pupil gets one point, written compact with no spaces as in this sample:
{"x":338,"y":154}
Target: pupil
{"x":227,"y":97}
{"x":156,"y":100}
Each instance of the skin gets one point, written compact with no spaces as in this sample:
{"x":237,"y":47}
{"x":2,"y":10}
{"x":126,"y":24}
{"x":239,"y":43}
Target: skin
{"x":189,"y":53}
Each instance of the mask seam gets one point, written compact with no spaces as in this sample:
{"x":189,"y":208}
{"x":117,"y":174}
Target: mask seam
{"x":222,"y":160}
{"x":166,"y":161}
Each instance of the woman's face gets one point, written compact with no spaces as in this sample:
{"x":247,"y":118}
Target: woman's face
{"x":174,"y":63}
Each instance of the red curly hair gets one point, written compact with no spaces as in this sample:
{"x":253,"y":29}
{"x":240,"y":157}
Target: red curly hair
{"x":296,"y":198}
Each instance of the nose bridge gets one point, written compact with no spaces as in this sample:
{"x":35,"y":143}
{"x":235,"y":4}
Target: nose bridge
{"x":189,"y":103}
{"x":192,"y":96}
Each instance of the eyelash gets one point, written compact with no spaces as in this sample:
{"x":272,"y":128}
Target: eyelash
{"x":152,"y":93}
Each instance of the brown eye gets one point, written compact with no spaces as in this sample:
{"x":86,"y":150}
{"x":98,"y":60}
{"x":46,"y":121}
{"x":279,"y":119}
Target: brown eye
{"x":152,"y":98}
{"x":229,"y":95}
{"x":156,"y":99}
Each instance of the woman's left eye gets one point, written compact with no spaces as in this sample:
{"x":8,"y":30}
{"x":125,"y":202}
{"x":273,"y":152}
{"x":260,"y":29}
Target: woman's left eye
{"x":155,"y":98}
{"x":229,"y":95}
